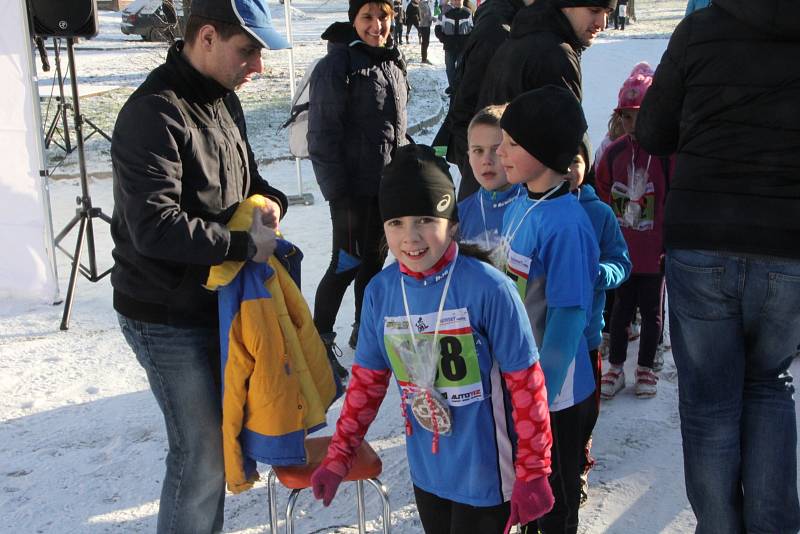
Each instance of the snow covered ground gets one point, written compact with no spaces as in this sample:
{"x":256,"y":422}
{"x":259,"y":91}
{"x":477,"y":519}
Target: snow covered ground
{"x":82,"y":442}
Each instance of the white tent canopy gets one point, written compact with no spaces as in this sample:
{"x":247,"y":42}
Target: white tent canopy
{"x":26,"y":268}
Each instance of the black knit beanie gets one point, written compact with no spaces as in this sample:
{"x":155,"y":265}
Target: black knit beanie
{"x":417,"y":182}
{"x":356,"y":5}
{"x":605,"y":4}
{"x":548,"y":123}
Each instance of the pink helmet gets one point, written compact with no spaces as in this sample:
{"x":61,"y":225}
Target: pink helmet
{"x":634,"y":88}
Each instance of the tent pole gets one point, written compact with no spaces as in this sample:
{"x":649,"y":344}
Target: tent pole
{"x":301,"y":197}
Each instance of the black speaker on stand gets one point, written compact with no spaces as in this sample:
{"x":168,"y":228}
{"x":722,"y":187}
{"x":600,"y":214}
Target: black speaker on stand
{"x":70,"y":19}
{"x":63,"y":18}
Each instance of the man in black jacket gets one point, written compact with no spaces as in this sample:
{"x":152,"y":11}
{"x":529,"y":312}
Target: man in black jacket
{"x":543,"y":48}
{"x":725,"y":100}
{"x":492,"y":22}
{"x":181,"y":165}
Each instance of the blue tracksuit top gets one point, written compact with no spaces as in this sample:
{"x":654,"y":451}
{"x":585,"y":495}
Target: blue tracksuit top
{"x":483,"y":332}
{"x":615,"y":263}
{"x":553,"y":260}
{"x":483,"y":227}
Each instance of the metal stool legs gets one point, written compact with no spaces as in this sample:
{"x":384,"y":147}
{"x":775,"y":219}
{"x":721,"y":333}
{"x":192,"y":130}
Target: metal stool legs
{"x":362,"y":521}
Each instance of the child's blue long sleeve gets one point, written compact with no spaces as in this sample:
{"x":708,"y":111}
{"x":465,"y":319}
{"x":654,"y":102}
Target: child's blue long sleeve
{"x":615,"y":262}
{"x":562,"y":337}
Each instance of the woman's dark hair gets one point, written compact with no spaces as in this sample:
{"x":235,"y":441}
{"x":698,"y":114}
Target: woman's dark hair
{"x":224,"y":29}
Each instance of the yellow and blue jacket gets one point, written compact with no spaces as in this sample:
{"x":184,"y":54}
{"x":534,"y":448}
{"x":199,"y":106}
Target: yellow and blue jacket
{"x":277,"y":383}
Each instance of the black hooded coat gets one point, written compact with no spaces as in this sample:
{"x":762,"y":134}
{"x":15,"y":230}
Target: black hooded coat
{"x":726,"y":99}
{"x":357,"y":113}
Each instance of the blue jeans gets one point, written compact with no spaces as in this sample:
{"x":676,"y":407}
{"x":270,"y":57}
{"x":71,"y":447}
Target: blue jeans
{"x":180,"y":368}
{"x":735,"y":326}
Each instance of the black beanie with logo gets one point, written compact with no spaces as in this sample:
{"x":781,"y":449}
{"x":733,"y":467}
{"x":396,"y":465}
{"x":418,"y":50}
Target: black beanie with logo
{"x":356,"y":5}
{"x":417,"y":182}
{"x":548,"y":123}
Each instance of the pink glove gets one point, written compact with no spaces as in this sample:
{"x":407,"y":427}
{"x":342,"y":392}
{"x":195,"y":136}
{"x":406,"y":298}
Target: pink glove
{"x":324,"y":484}
{"x":529,"y":500}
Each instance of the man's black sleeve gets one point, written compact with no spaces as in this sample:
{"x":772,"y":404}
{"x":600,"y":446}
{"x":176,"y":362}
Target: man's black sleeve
{"x":658,"y":122}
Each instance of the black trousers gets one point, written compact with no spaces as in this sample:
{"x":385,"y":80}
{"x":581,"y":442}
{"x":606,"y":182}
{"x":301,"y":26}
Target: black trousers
{"x":425,"y":39}
{"x":442,"y":516}
{"x":647,"y":292}
{"x":571,"y":428}
{"x":355,"y":255}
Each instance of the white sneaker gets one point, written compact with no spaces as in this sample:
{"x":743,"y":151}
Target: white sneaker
{"x":646,"y":383}
{"x":612,"y":382}
{"x":658,"y":362}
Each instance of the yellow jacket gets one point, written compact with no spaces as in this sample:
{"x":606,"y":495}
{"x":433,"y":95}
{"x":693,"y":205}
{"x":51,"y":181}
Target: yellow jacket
{"x":277,"y":381}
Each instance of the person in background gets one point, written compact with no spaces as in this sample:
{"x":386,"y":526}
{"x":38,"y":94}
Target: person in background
{"x":544,"y":47}
{"x":552,"y":255}
{"x":620,"y":15}
{"x":397,"y":22}
{"x":411,"y":9}
{"x":614,"y":269}
{"x":174,"y":190}
{"x":425,"y":23}
{"x":481,"y":214}
{"x":491,"y":24}
{"x":733,"y":261}
{"x":635,"y":185}
{"x":463,"y":482}
{"x":452,"y":29}
{"x":356,"y":121}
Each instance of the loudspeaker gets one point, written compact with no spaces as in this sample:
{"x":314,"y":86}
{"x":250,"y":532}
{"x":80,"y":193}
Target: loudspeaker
{"x":63,"y":18}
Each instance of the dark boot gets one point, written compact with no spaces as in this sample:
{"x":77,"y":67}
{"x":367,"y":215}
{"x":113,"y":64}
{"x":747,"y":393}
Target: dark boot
{"x":353,"y":341}
{"x":334,"y":353}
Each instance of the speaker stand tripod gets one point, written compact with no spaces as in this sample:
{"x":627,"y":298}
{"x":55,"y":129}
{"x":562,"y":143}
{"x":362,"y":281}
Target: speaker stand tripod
{"x":85,"y":213}
{"x":61,"y":108}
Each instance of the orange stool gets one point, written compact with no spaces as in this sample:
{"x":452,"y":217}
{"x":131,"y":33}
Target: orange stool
{"x":366,"y":467}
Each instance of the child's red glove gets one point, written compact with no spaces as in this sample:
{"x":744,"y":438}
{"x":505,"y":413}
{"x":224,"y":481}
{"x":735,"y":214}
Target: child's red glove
{"x":364,"y":395}
{"x":529,"y":500}
{"x":324,"y":484}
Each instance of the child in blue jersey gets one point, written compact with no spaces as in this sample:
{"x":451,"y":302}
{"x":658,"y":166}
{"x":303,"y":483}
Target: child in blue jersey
{"x":613,"y":269}
{"x":552,"y":255}
{"x":453,"y":331}
{"x":481,"y":214}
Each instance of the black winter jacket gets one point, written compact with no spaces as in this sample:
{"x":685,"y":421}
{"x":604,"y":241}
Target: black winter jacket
{"x":357,"y":114}
{"x":492,"y":23}
{"x":542,"y":49}
{"x":181,"y":164}
{"x":726,"y":98}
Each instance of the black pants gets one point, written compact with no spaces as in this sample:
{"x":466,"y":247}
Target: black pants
{"x":398,"y":33}
{"x":355,"y":255}
{"x":442,"y":516}
{"x":647,"y":292}
{"x":409,"y":25}
{"x":425,"y":39}
{"x":571,"y":428}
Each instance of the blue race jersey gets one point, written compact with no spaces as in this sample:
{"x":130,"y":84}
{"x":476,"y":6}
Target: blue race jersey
{"x":483,"y":331}
{"x":553,"y":260}
{"x":483,"y":227}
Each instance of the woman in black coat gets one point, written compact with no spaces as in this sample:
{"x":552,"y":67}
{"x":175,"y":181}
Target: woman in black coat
{"x":357,"y":119}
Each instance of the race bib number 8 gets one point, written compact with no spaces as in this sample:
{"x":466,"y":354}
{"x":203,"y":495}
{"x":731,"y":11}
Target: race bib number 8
{"x":458,"y":377}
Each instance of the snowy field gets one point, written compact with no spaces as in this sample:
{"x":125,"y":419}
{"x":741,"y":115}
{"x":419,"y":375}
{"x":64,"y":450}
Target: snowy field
{"x":82,"y":442}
